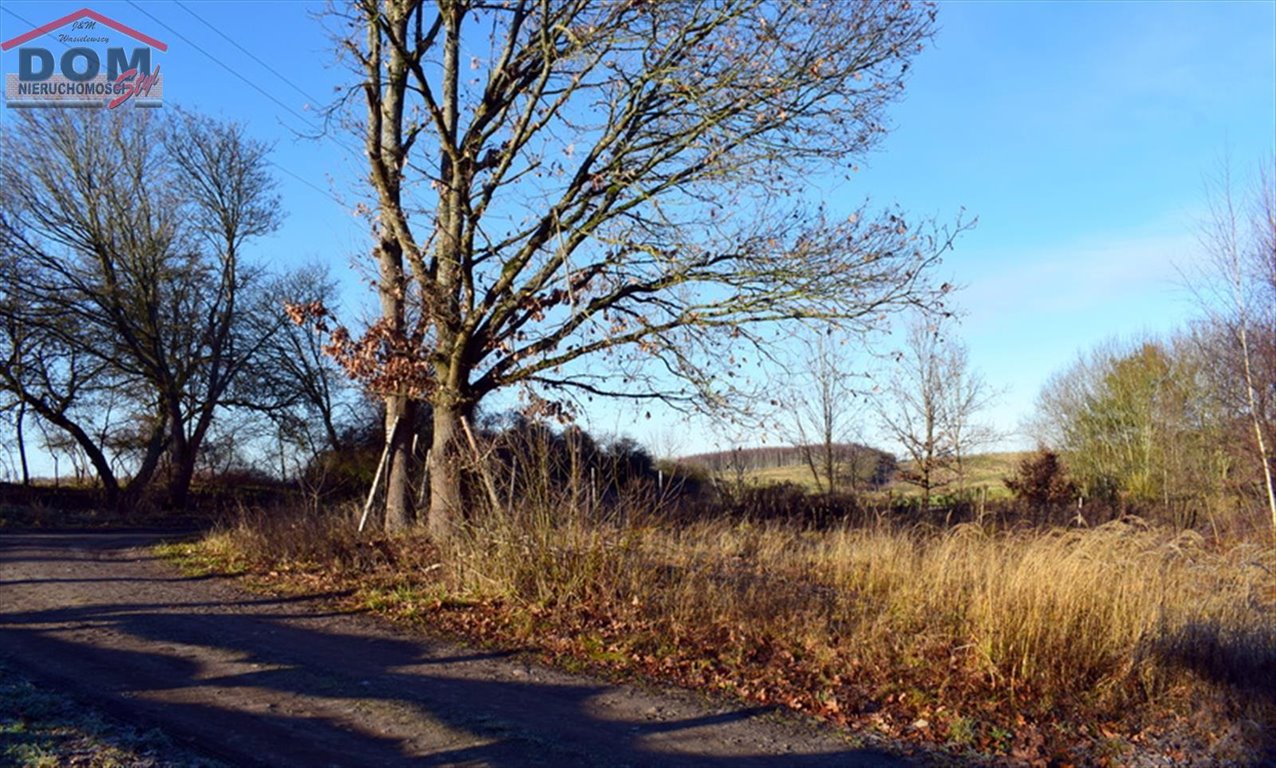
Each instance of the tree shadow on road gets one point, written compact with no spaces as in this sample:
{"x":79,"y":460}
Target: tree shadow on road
{"x":1240,"y":663}
{"x":271,"y":682}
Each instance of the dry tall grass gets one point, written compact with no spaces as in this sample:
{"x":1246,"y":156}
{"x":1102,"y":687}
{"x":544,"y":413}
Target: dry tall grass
{"x":1079,"y":625}
{"x":1093,"y":610}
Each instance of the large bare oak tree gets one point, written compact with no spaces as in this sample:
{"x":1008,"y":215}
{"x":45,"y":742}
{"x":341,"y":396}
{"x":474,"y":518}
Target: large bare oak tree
{"x":612,"y":198}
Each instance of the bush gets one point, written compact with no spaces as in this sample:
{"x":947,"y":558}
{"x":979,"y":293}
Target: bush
{"x":1042,"y":481}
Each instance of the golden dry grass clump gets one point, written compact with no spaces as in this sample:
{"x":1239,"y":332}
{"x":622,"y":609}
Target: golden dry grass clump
{"x":1031,"y":607}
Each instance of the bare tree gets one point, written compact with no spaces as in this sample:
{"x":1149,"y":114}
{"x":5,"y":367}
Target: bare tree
{"x":1240,"y":298}
{"x":15,"y":411}
{"x":289,"y":379}
{"x":929,"y":405}
{"x":123,"y":234}
{"x":609,"y":199}
{"x":967,"y":394}
{"x":910,"y":407}
{"x":51,"y":365}
{"x":824,"y":409}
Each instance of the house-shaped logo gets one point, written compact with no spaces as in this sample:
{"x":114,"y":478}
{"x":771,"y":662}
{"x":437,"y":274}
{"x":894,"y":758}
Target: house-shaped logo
{"x":84,"y":59}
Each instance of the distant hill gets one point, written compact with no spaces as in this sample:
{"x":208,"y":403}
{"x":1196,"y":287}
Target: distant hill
{"x":860,"y":467}
{"x":857,"y":465}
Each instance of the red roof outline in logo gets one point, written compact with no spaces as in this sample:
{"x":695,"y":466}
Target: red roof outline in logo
{"x":52,"y":25}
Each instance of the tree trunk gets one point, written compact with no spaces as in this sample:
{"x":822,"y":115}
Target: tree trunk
{"x":184,"y":452}
{"x":829,"y":464}
{"x":179,"y":490}
{"x":22,"y":443}
{"x":146,"y":470}
{"x":808,"y":454}
{"x":400,"y":418}
{"x":1255,"y":414}
{"x":387,"y":73}
{"x":182,"y":458}
{"x":110,"y":484}
{"x":445,"y":470}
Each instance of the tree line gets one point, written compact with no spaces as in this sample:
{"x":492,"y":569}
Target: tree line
{"x":610,"y":201}
{"x":856,"y":467}
{"x":138,"y":330}
{"x":1184,"y":426}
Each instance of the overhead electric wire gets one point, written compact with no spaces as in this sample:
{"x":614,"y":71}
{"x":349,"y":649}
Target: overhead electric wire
{"x":356,"y":153}
{"x":257,"y":88}
{"x":327,"y":193}
{"x":304,"y":119}
{"x":219,"y":62}
{"x":248,"y":53}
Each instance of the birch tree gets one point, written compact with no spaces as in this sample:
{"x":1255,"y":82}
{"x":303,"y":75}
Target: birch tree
{"x":1238,"y":292}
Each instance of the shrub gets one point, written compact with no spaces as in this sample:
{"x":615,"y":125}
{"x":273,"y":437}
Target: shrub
{"x":1042,"y":481}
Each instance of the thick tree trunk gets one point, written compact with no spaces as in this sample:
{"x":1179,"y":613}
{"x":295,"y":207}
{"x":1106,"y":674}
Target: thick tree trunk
{"x":182,"y":458}
{"x":179,"y":489}
{"x":185,"y":456}
{"x":146,"y":470}
{"x":385,"y":88}
{"x":400,"y":418}
{"x":184,"y":452}
{"x":446,"y":459}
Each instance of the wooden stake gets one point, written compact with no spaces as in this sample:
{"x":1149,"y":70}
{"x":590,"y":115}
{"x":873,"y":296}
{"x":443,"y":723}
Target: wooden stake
{"x":492,"y":495}
{"x":376,"y":479}
{"x":425,"y":479}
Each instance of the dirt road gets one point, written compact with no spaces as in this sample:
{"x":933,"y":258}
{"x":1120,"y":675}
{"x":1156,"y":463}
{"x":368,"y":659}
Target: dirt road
{"x":283,"y":682}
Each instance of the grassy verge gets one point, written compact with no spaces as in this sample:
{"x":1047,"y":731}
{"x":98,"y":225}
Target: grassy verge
{"x":1064,"y":646}
{"x":39,"y":727}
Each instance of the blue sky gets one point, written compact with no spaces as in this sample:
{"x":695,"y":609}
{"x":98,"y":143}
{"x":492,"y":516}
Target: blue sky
{"x":1079,"y":133}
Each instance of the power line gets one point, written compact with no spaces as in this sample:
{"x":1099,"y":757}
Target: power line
{"x":24,"y":21}
{"x":219,"y":62}
{"x":248,"y":53}
{"x":304,"y":119}
{"x":355,"y":153}
{"x":327,"y":193}
{"x":255,"y":87}
{"x":311,"y":184}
